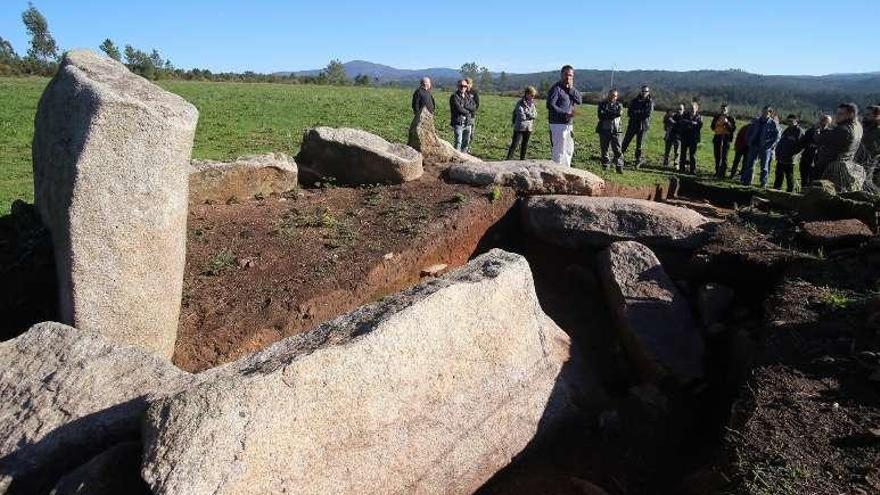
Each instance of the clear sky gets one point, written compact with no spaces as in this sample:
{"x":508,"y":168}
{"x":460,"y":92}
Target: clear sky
{"x":764,"y":36}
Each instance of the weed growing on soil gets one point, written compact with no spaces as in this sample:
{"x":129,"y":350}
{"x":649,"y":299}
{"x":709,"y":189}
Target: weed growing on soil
{"x":769,"y":478}
{"x":835,"y":298}
{"x":495,"y":194}
{"x":219,"y":263}
{"x":458,"y":198}
{"x":373,"y":198}
{"x":406,"y":218}
{"x":342,"y":234}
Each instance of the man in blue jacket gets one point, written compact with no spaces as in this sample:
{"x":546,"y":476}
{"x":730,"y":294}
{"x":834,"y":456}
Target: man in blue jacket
{"x":561,"y":100}
{"x":762,"y":139}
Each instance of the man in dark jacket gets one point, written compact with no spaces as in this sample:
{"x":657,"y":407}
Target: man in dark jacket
{"x":762,"y":138}
{"x":786,"y":149}
{"x":723,"y":127}
{"x":671,"y":139}
{"x":809,"y":147}
{"x":740,"y":148}
{"x":476,"y":96}
{"x":838,"y":146}
{"x":462,"y":108}
{"x":639,"y":112}
{"x":689,"y":128}
{"x":869,"y":153}
{"x":561,"y":101}
{"x":608,"y":129}
{"x":423,"y":98}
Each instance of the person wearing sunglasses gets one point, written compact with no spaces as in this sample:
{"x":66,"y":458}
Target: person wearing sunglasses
{"x":462,"y":108}
{"x":639,"y":113}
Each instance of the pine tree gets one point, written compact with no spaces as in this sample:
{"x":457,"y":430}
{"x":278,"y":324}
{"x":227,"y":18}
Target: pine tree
{"x":110,"y":48}
{"x":43,"y":47}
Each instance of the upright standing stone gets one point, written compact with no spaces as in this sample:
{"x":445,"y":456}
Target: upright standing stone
{"x":423,"y":137}
{"x":111,"y":159}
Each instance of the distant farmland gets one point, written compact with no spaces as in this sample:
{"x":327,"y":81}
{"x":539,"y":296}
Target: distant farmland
{"x":241,"y":118}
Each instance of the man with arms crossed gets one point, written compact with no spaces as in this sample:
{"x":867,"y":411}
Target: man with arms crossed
{"x":561,"y":100}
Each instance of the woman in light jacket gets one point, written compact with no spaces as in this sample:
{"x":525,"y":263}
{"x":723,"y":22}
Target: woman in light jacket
{"x":524,"y":115}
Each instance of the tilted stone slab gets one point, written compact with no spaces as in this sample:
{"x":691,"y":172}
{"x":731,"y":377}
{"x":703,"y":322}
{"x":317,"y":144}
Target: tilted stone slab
{"x":655,"y":322}
{"x":245,"y":178}
{"x":432,"y":390}
{"x":423,"y":137}
{"x":353,"y":156}
{"x":66,"y":395}
{"x":576,"y":222}
{"x":529,"y":177}
{"x":111,"y":152}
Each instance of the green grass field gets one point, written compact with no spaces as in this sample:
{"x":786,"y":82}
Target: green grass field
{"x":240,"y":118}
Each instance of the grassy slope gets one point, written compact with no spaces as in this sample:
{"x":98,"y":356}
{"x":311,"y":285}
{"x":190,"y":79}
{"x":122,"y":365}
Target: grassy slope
{"x":238,"y":118}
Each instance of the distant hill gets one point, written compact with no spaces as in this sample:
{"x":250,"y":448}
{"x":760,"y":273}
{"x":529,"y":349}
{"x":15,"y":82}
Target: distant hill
{"x":746,"y":92}
{"x":384,"y":74}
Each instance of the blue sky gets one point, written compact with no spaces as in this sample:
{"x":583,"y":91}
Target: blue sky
{"x":766,"y":36}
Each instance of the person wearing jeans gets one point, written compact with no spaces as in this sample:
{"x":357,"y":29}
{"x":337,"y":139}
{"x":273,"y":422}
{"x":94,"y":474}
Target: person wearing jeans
{"x":762,"y":139}
{"x":524,"y":115}
{"x":462,"y":108}
{"x":561,"y":102}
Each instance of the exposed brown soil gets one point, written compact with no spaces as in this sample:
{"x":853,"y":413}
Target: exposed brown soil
{"x":809,"y":418}
{"x":267,"y":269}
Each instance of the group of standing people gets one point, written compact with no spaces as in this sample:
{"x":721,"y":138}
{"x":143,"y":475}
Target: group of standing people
{"x":682,"y":131}
{"x":841,"y":149}
{"x":827,"y":149}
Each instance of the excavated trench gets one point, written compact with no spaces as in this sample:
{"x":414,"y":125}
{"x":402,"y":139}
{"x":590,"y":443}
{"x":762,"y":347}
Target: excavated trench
{"x":631,"y":438}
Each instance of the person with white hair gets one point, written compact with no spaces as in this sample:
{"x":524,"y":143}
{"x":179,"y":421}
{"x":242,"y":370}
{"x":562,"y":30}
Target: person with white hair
{"x":423,"y":98}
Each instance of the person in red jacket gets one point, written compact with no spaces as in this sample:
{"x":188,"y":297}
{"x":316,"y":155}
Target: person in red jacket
{"x":740,"y":148}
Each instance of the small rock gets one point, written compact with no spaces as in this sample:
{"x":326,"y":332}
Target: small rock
{"x":246,"y":262}
{"x":434,"y":270}
{"x":388,"y":256}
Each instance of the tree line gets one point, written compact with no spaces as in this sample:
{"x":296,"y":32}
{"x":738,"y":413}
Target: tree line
{"x":745,"y":93}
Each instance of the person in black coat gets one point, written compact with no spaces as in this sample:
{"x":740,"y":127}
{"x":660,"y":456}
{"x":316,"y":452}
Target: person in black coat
{"x":786,"y":149}
{"x":423,"y":98}
{"x":670,"y":135}
{"x":689,"y":127}
{"x":809,"y":147}
{"x":608,"y":129}
{"x":639,"y":112}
